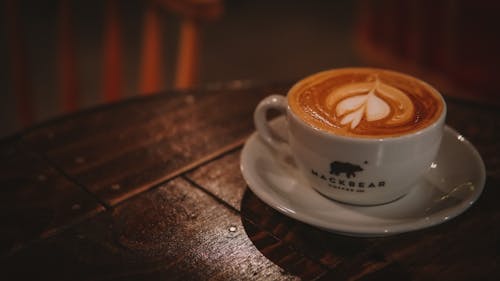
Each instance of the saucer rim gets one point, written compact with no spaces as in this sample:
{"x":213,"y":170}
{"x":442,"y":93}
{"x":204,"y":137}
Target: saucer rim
{"x":405,"y":225}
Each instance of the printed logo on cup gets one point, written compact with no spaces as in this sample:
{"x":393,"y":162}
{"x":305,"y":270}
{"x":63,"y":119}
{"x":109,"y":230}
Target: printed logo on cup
{"x":342,"y":176}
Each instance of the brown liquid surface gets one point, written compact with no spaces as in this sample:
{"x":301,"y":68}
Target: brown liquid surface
{"x":365,"y":102}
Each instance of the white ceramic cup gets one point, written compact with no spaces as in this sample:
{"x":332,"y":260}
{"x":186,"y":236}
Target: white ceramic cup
{"x":354,"y":170}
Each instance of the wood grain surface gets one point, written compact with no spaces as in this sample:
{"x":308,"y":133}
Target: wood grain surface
{"x":35,"y":199}
{"x":119,"y":151}
{"x":151,"y":189}
{"x":161,"y":234}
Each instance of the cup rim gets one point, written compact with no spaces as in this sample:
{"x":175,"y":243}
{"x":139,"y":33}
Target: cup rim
{"x":438,"y":122}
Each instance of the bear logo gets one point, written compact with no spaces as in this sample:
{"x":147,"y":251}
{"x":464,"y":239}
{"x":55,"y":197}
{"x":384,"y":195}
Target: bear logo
{"x":337,"y":168}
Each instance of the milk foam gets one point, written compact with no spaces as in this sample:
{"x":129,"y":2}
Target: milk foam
{"x":367,"y":100}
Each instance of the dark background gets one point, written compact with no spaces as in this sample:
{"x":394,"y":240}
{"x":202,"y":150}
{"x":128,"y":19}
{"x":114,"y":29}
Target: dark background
{"x":452,"y":44}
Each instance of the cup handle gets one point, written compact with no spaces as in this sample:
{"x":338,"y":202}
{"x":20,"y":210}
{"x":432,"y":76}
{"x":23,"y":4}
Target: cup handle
{"x":266,"y":132}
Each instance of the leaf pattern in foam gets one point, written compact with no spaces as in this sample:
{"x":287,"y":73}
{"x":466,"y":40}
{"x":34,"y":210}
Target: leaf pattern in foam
{"x":376,"y":108}
{"x":355,"y":101}
{"x":404,"y":109}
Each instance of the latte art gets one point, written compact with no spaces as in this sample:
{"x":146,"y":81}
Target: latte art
{"x":372,"y":101}
{"x":365,"y":102}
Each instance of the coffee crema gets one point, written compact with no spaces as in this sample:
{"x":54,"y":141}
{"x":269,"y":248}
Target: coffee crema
{"x":365,"y":102}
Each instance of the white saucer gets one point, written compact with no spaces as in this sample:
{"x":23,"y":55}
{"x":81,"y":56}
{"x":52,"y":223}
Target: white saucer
{"x":453,"y":183}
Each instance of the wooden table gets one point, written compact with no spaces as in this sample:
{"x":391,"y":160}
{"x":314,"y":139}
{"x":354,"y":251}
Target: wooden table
{"x":150,"y":189}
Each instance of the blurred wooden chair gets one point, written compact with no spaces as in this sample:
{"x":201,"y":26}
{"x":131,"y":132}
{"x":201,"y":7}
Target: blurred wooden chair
{"x":191,"y":13}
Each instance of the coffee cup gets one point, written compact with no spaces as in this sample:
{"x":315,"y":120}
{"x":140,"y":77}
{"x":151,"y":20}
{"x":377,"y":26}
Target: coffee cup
{"x":362,"y":136}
